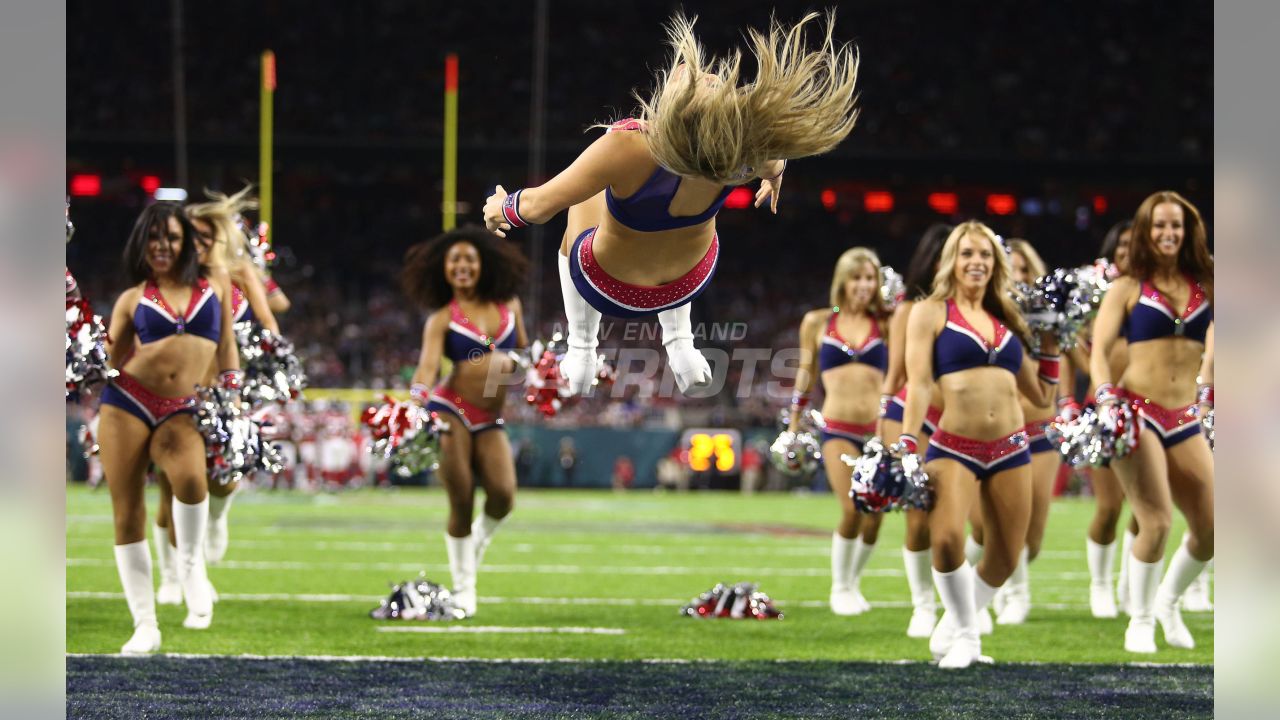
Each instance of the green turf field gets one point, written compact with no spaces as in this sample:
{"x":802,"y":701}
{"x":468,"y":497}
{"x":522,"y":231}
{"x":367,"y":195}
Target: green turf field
{"x":303,"y":571}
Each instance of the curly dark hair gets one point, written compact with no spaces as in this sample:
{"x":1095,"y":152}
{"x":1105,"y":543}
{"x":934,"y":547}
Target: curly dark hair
{"x":1193,"y":257}
{"x":924,"y":261}
{"x":503,"y":268}
{"x":187,"y":265}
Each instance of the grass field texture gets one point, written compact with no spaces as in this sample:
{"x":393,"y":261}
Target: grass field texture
{"x":573,"y":575}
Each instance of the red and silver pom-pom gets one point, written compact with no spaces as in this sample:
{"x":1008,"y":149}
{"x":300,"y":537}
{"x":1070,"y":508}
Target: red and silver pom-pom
{"x":87,"y":362}
{"x":405,"y":433}
{"x":1097,"y":435}
{"x":738,"y":601}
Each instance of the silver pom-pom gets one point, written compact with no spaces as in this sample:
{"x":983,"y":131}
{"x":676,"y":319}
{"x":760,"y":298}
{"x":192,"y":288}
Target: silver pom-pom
{"x":795,"y":453}
{"x":893,"y":288}
{"x":235,"y":445}
{"x":1097,"y":436}
{"x":418,"y":599}
{"x":272,"y":371}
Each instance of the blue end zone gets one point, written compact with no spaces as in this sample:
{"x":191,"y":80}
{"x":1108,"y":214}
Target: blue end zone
{"x":109,"y":687}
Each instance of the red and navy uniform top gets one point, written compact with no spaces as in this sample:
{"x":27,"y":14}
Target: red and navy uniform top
{"x":155,"y":320}
{"x":647,"y":210}
{"x":836,"y":351}
{"x":960,"y":347}
{"x":466,"y":341}
{"x":1153,"y":317}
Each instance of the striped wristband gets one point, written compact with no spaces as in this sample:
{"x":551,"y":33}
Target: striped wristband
{"x":511,"y":210}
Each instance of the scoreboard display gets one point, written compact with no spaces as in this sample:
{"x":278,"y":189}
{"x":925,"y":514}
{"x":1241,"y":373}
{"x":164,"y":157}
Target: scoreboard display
{"x":713,"y":449}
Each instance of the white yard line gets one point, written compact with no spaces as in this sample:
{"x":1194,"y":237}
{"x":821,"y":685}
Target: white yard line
{"x":533,"y":600}
{"x":583,"y":661}
{"x":445,"y":627}
{"x":563,"y":569}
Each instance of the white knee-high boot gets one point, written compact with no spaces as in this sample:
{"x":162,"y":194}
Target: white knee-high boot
{"x":170,"y":592}
{"x":1102,"y":602}
{"x":691,"y":369}
{"x":133,"y":562}
{"x":580,"y":362}
{"x":483,"y":530}
{"x":1183,"y":570}
{"x":1197,"y":597}
{"x":843,"y":600}
{"x":462,"y":566}
{"x":1017,"y":594}
{"x":1144,"y":580}
{"x":215,"y":546}
{"x":924,"y":608}
{"x":1122,"y":582}
{"x":956,"y":638}
{"x":190,"y":522}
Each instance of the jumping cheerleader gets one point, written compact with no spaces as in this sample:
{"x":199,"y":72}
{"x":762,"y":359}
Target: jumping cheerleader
{"x":642,"y":199}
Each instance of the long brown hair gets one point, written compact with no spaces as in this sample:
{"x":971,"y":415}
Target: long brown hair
{"x":997,"y":299}
{"x":1193,"y":257}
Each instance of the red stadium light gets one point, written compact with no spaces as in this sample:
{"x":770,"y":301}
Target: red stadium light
{"x":739,"y":198}
{"x":829,"y":199}
{"x":1000,"y":204}
{"x":878,"y":201}
{"x":150,"y":183}
{"x":1099,"y":205}
{"x":86,"y":185}
{"x":945,"y":203}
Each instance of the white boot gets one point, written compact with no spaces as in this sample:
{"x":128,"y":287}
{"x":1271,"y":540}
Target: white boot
{"x":462,"y":566}
{"x":983,"y":595}
{"x":483,"y":530}
{"x":1122,"y":582}
{"x":924,"y":609}
{"x":963,"y":647}
{"x":691,"y":369}
{"x":1183,"y":570}
{"x":972,"y":551}
{"x":861,"y":556}
{"x":133,"y":562}
{"x":170,"y":592}
{"x":1144,"y":579}
{"x":1102,"y":602}
{"x":580,"y":363}
{"x":215,"y":546}
{"x":845,"y":599}
{"x":1197,"y":597}
{"x":1017,"y":594}
{"x":190,"y":522}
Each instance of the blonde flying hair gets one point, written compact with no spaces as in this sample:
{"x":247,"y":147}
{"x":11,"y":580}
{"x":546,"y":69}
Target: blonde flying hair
{"x":848,"y":263}
{"x":997,"y":299}
{"x":222,"y":211}
{"x":800,"y":103}
{"x":1035,"y":264}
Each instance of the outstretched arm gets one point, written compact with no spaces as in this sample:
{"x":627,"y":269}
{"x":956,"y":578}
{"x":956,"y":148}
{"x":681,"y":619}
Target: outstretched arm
{"x":594,"y":170}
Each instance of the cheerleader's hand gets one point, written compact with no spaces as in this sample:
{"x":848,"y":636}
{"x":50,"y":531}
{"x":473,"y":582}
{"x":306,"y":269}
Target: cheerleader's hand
{"x":769,"y":190}
{"x":493,"y":217}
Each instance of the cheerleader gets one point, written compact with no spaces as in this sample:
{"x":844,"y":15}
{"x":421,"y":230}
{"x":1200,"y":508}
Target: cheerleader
{"x":219,"y":244}
{"x":968,"y":337}
{"x":1100,"y":540}
{"x":915,"y":550}
{"x":845,"y":345}
{"x":1166,"y":301}
{"x":165,"y":331}
{"x":642,"y":199}
{"x":1013,"y":602}
{"x":468,"y":278}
